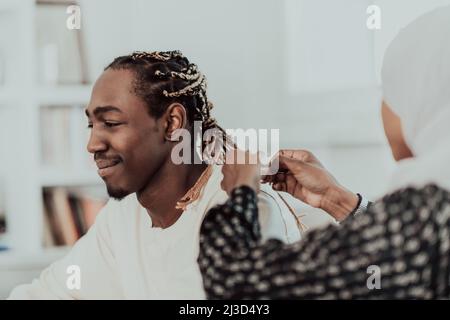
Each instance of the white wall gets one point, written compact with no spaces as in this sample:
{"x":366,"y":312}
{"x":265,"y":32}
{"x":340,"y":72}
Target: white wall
{"x":237,"y":44}
{"x":328,"y":47}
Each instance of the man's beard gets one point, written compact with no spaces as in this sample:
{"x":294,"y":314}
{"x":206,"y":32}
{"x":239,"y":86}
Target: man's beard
{"x":116,"y":193}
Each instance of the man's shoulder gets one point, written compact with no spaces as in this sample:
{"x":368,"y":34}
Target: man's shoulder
{"x":275,"y":217}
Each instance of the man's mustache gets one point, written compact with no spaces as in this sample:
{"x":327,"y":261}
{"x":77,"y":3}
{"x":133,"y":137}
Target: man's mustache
{"x":103,"y":156}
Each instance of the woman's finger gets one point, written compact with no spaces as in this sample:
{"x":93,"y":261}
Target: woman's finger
{"x":292,"y":165}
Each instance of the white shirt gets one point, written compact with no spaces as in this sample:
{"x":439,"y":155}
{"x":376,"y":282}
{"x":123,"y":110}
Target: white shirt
{"x":123,"y":257}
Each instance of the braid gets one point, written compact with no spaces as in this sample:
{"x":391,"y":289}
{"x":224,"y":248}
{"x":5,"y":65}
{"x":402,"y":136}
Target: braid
{"x":164,"y":77}
{"x":157,"y":55}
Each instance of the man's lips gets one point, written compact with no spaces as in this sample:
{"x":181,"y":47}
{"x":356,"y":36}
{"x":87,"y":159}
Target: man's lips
{"x":102,"y":164}
{"x":106,"y":167}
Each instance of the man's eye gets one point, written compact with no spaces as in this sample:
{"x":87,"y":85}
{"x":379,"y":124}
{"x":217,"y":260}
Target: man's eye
{"x":89,"y":126}
{"x":111,"y":124}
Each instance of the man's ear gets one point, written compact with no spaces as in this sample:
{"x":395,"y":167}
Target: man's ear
{"x":176,"y":118}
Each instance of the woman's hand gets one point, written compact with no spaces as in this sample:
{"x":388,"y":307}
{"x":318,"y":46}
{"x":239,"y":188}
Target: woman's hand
{"x":304,"y":177}
{"x":244,"y":169}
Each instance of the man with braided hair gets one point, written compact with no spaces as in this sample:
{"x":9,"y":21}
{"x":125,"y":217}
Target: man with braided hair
{"x":145,"y":241}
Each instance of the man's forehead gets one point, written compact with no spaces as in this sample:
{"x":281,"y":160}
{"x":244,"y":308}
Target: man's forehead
{"x":113,"y":88}
{"x":112,"y":83}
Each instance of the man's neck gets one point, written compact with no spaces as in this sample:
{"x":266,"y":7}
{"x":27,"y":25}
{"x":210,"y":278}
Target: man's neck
{"x":168,"y":186}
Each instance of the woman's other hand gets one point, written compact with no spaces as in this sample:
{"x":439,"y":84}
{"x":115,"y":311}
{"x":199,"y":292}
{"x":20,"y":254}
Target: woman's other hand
{"x":303,"y":176}
{"x":240,"y":168}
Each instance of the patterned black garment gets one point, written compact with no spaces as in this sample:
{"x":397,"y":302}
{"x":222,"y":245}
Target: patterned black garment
{"x":405,"y":235}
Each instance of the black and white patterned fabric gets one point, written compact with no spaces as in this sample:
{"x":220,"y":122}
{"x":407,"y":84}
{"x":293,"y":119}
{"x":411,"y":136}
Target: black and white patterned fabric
{"x":405,"y":236}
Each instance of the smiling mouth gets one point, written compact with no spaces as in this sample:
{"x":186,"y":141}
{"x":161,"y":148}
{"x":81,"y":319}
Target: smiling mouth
{"x":106,"y":167}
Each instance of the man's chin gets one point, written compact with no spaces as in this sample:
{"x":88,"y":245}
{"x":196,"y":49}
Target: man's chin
{"x":117,"y":193}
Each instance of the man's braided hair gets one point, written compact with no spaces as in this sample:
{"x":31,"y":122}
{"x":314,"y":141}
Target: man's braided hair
{"x":166,"y":77}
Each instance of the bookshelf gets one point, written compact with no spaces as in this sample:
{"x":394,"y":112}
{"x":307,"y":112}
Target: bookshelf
{"x":32,"y":111}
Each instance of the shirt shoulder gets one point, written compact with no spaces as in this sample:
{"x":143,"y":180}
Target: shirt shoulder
{"x":276,"y":219}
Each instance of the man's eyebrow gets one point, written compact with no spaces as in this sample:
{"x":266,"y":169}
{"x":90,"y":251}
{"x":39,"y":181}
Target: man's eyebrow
{"x":103,"y":109}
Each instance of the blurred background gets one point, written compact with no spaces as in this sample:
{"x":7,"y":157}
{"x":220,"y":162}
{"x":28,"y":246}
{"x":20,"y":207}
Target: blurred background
{"x":310,"y":68}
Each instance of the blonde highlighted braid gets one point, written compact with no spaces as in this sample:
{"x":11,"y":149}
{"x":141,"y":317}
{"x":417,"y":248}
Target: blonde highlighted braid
{"x":165,"y":77}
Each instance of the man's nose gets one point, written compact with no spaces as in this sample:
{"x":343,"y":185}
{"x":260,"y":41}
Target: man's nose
{"x":95,"y":143}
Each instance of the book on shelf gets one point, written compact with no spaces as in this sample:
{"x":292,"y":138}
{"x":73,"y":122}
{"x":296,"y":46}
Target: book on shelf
{"x":3,"y":234}
{"x":68,"y":215}
{"x":2,"y":223}
{"x":2,"y":210}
